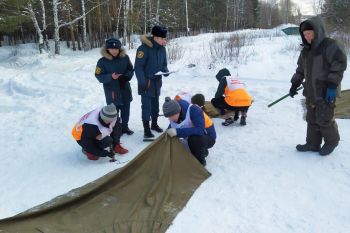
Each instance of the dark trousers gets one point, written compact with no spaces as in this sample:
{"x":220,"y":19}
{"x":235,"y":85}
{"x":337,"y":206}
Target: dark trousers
{"x":149,"y":107}
{"x":221,"y":104}
{"x":321,"y":124}
{"x":102,"y":144}
{"x":199,"y":144}
{"x":124,"y":113}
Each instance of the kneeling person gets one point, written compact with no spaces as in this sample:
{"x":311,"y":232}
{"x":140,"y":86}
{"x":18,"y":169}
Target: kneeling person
{"x":189,"y":121}
{"x":98,"y":133}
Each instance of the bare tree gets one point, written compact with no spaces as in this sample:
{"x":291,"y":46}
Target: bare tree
{"x":40,"y":31}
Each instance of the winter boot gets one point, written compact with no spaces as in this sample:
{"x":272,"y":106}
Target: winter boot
{"x":243,"y":119}
{"x":89,"y":155}
{"x":126,"y":130}
{"x":308,"y":147}
{"x":155,"y":126}
{"x":119,"y":149}
{"x":228,"y":121}
{"x":147,"y":130}
{"x":327,"y":148}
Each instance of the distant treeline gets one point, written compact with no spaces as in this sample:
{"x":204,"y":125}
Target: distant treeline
{"x":85,"y":24}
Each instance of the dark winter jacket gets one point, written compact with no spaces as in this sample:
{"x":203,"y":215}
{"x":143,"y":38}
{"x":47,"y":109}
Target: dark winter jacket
{"x":89,"y":142}
{"x":116,"y":91}
{"x":320,"y":65}
{"x":150,"y":59}
{"x":197,"y":118}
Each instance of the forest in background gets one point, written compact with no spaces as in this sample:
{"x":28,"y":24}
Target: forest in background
{"x":85,"y":24}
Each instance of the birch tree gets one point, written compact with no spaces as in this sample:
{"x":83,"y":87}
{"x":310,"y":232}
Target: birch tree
{"x":40,"y":31}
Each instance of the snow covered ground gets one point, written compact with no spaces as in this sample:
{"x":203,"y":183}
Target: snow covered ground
{"x":259,"y":182}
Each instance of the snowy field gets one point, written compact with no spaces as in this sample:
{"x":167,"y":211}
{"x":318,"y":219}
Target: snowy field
{"x":259,"y":182}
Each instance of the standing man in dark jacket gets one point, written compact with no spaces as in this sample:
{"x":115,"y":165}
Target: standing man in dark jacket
{"x":115,"y":71}
{"x":321,"y":65}
{"x":151,"y":59}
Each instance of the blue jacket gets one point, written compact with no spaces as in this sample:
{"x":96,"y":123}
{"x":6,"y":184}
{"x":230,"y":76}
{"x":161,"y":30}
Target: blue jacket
{"x":116,"y":91}
{"x":150,"y":59}
{"x":197,"y":118}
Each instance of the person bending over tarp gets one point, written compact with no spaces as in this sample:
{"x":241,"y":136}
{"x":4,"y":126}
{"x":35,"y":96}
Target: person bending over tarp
{"x":231,"y":95}
{"x":98,"y":131}
{"x":189,"y":122}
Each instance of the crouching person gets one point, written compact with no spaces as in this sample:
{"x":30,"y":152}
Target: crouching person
{"x":98,"y":133}
{"x":188,"y":121}
{"x":231,"y":95}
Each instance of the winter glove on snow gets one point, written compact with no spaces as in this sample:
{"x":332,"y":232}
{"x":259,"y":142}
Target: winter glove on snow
{"x":171,"y":132}
{"x":331,"y":94}
{"x":293,"y":91}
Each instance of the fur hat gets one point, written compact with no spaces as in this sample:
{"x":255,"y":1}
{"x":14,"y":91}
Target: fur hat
{"x":159,"y":31}
{"x":170,"y":107}
{"x":113,"y":43}
{"x":109,"y":113}
{"x":223,"y":72}
{"x":198,"y":99}
{"x":306,"y":25}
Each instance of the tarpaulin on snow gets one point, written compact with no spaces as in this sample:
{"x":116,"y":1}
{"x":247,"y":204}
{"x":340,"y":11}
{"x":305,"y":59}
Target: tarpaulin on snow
{"x":212,"y":112}
{"x":143,"y":196}
{"x":342,"y":109}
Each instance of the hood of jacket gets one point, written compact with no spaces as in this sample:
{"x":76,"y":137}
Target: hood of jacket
{"x":148,"y":40}
{"x":318,"y":29}
{"x":108,"y":56}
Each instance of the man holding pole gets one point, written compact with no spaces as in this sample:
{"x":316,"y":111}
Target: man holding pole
{"x":321,"y":65}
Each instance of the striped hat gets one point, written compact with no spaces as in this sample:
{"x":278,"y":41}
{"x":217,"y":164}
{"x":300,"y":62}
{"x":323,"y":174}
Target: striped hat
{"x":109,"y":113}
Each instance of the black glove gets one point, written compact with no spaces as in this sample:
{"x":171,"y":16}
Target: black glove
{"x":108,"y":154}
{"x":293,"y":91}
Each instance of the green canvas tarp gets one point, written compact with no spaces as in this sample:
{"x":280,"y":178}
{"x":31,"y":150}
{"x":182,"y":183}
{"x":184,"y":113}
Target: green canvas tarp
{"x":342,"y":109}
{"x":143,"y":196}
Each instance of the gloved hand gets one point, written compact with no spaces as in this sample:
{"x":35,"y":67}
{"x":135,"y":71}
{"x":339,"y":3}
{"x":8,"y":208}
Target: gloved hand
{"x":293,"y":91}
{"x":108,"y":154}
{"x":331,"y":94}
{"x":171,"y":132}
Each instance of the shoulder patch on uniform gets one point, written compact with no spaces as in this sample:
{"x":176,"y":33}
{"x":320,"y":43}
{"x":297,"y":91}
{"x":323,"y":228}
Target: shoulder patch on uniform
{"x":140,"y":54}
{"x":98,"y":70}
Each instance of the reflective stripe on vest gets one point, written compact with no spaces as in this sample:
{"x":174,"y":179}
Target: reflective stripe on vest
{"x":187,"y":123}
{"x":92,"y":118}
{"x":236,"y":94}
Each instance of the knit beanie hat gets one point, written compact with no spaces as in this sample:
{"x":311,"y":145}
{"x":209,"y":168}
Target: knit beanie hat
{"x":109,"y":113}
{"x":306,"y":25}
{"x":113,"y":43}
{"x":198,"y":99}
{"x":159,"y":31}
{"x":223,"y":72}
{"x":170,"y":107}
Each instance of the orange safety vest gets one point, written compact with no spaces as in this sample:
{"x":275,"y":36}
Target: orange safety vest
{"x":235,"y":93}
